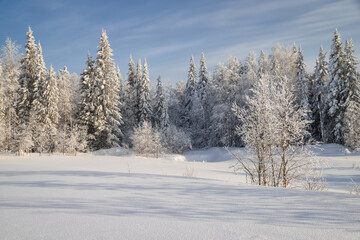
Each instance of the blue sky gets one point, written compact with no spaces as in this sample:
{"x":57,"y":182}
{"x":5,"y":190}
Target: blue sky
{"x":168,"y":32}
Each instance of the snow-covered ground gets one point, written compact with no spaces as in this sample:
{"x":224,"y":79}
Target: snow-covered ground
{"x":111,"y":194}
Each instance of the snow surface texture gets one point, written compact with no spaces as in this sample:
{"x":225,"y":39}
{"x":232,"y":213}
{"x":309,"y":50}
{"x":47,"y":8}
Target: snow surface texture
{"x":111,"y":194}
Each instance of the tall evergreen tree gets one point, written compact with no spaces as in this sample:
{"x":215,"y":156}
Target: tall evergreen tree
{"x":28,"y":78}
{"x":161,"y":118}
{"x":88,"y":99}
{"x":45,"y":110}
{"x":302,"y":79}
{"x":334,"y":101}
{"x":318,"y":95}
{"x":203,"y":84}
{"x":137,"y":93}
{"x":352,"y":103}
{"x":145,"y":109}
{"x":203,"y":89}
{"x":107,"y":131}
{"x":190,"y":93}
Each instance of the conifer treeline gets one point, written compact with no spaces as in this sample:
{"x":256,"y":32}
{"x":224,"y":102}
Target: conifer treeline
{"x":42,"y":111}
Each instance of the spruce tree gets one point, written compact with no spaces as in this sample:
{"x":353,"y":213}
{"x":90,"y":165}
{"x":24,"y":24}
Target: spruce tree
{"x":137,"y":93}
{"x":190,"y":94}
{"x":45,"y":111}
{"x":203,"y":88}
{"x":203,"y":84}
{"x":302,"y":80}
{"x":334,"y":100}
{"x":352,"y":103}
{"x":145,"y":108}
{"x":161,"y":118}
{"x":88,"y":99}
{"x":318,"y":95}
{"x":28,"y":79}
{"x":106,"y":90}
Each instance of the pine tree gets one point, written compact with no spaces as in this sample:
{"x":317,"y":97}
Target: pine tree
{"x":10,"y":86}
{"x":334,"y":101}
{"x":352,"y":103}
{"x":107,"y":131}
{"x":161,"y":118}
{"x":318,"y":95}
{"x":145,"y":109}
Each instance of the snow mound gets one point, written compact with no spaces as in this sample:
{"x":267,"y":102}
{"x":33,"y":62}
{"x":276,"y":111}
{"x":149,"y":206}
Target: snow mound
{"x":214,"y":154}
{"x":118,"y":151}
{"x":333,"y":150}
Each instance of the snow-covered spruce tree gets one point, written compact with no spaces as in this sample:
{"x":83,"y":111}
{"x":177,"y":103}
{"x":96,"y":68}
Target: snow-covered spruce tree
{"x":176,"y":104}
{"x":45,"y":111}
{"x":190,"y":94}
{"x":303,"y":86}
{"x":352,"y":103}
{"x":129,"y":104}
{"x":318,"y":95}
{"x":273,"y":128}
{"x":302,"y":80}
{"x":334,"y":101}
{"x":161,"y":117}
{"x":28,"y":80}
{"x":106,"y":90}
{"x":10,"y":85}
{"x":145,"y":107}
{"x":146,"y":140}
{"x":203,"y":90}
{"x":122,"y":88}
{"x":203,"y":84}
{"x":87,"y":103}
{"x":138,"y":89}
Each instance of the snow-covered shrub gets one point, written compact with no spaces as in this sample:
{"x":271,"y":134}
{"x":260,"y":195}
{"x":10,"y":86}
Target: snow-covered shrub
{"x":72,"y":140}
{"x":175,"y":140}
{"x":146,"y":140}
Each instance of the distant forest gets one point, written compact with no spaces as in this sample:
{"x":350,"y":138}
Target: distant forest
{"x":242,"y":103}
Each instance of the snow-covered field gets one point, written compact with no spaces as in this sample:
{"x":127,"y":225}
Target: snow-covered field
{"x":116,"y":195}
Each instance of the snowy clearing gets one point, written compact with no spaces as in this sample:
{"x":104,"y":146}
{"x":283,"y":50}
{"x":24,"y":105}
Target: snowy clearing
{"x":112,"y":194}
